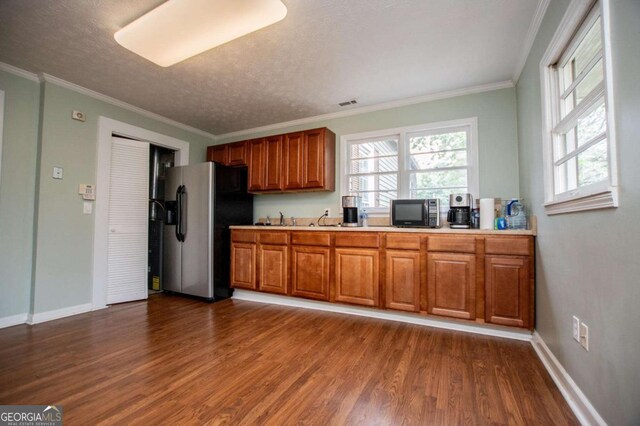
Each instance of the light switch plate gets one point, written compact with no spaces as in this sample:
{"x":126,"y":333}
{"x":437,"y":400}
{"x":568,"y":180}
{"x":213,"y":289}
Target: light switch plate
{"x":584,"y":336}
{"x":87,"y":207}
{"x":575,"y":328}
{"x":57,"y":172}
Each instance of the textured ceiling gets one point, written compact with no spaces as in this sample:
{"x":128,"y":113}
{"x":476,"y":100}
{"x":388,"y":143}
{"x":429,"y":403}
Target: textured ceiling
{"x":322,"y":53}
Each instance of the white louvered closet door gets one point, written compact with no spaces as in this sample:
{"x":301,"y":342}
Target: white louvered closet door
{"x":128,"y":221}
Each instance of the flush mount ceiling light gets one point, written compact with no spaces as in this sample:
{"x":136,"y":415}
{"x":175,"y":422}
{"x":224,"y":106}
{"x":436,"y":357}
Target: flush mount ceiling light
{"x":180,"y":29}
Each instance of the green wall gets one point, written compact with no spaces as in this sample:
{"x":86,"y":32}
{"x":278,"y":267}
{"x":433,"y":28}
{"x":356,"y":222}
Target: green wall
{"x":497,"y":133}
{"x":60,"y":239}
{"x":17,"y":184}
{"x":587,"y":262}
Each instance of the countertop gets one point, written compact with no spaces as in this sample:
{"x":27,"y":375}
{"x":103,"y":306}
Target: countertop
{"x":443,"y":230}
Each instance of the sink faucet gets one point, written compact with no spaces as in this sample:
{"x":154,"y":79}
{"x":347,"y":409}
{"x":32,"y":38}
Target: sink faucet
{"x":281,"y":219}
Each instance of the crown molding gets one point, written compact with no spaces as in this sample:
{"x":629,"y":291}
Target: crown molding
{"x":108,"y":99}
{"x":19,"y":72}
{"x":372,"y":108}
{"x":536,"y":22}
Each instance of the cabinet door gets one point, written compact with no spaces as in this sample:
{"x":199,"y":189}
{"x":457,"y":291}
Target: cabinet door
{"x":238,"y":154}
{"x":243,"y":265}
{"x":402,"y":280}
{"x":451,"y":289}
{"x":273,"y":163}
{"x":507,"y":290}
{"x":256,"y":165}
{"x":219,"y":154}
{"x":313,"y":159}
{"x":310,"y":272}
{"x":273,"y":268}
{"x":357,"y":276}
{"x":293,"y":158}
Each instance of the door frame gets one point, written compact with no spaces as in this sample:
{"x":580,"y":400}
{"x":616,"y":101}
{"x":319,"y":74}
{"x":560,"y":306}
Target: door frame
{"x":107,"y":128}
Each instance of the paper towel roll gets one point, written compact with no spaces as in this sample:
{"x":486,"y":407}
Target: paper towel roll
{"x":487,"y":213}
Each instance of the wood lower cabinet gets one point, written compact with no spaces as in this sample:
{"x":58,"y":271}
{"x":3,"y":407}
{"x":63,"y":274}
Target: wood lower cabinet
{"x":357,"y":276}
{"x":310,"y":272}
{"x":402,"y":280}
{"x":451,"y":285}
{"x":273,"y":266}
{"x":476,"y":280}
{"x":508,"y":288}
{"x":243,"y":265}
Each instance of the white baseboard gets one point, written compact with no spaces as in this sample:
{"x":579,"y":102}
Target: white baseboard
{"x":273,"y":299}
{"x":58,"y":313}
{"x":13,"y":320}
{"x":581,"y":406}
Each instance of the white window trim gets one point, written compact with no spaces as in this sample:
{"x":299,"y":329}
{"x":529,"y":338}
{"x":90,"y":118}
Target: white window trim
{"x":473,"y":177}
{"x":602,"y":194}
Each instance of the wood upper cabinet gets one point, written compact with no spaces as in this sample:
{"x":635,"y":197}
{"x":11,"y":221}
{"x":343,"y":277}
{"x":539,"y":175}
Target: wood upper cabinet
{"x":230,"y":154}
{"x":318,"y":159}
{"x":508,"y":289}
{"x":310,"y":272}
{"x":402,"y":280}
{"x":273,"y":266}
{"x":265,"y":164}
{"x":256,"y":165}
{"x":218,"y":153}
{"x":273,"y":163}
{"x":293,"y":160}
{"x":451,"y":285}
{"x":357,"y":276}
{"x":237,"y":155}
{"x":243,"y":265}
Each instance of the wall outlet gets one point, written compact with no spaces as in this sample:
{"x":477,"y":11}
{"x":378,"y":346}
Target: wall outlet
{"x":57,"y":173}
{"x":575,"y":329}
{"x":327,"y":212}
{"x":584,"y":336}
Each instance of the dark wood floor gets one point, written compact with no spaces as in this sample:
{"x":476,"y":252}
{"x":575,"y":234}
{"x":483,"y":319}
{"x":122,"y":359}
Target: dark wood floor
{"x":180,"y":361}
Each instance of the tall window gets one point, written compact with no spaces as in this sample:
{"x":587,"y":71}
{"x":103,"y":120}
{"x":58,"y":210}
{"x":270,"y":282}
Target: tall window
{"x":578,"y":139}
{"x":428,"y":161}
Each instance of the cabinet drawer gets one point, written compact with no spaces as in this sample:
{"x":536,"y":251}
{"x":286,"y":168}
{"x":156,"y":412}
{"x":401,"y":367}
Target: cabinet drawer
{"x":403,"y":241}
{"x":311,"y":239}
{"x":239,"y":236}
{"x":357,"y":239}
{"x":279,"y":238}
{"x":452,"y":244}
{"x":516,"y":246}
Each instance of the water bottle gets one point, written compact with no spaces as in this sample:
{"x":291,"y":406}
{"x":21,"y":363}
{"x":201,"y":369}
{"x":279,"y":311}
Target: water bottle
{"x":364,"y":218}
{"x":516,"y":215}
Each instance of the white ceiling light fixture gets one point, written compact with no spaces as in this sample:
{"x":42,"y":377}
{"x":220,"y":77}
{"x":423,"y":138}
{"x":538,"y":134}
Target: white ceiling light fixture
{"x":180,"y":29}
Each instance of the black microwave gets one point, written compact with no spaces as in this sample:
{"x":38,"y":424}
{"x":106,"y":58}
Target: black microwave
{"x":418,"y":213}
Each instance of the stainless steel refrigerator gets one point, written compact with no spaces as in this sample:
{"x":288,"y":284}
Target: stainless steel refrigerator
{"x":201,"y":202}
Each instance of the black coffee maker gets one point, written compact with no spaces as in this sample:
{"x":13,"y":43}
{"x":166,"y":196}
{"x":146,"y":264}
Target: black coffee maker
{"x":459,"y":216}
{"x":350,"y":214}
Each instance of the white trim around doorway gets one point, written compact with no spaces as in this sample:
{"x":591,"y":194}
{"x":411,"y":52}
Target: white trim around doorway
{"x":107,"y":128}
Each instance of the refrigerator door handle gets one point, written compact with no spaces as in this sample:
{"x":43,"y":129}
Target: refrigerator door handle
{"x":179,"y":213}
{"x":184,"y":205}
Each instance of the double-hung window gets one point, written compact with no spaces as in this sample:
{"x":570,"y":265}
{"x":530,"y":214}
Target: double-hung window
{"x":426,"y":161}
{"x":578,"y":137}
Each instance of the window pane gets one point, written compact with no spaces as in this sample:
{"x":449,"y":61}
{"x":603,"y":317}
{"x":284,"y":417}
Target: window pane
{"x":440,"y":179}
{"x":374,"y":165}
{"x":373,"y":182}
{"x":586,"y":50}
{"x":374,"y":148}
{"x":592,"y":125}
{"x":441,"y":142}
{"x":565,"y":176}
{"x":592,"y":79}
{"x":592,"y":164}
{"x":442,"y":194}
{"x":376,"y":199}
{"x":438,"y":160}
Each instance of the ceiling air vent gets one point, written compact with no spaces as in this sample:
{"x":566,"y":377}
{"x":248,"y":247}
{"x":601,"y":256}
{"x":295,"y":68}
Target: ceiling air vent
{"x":351,"y":102}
